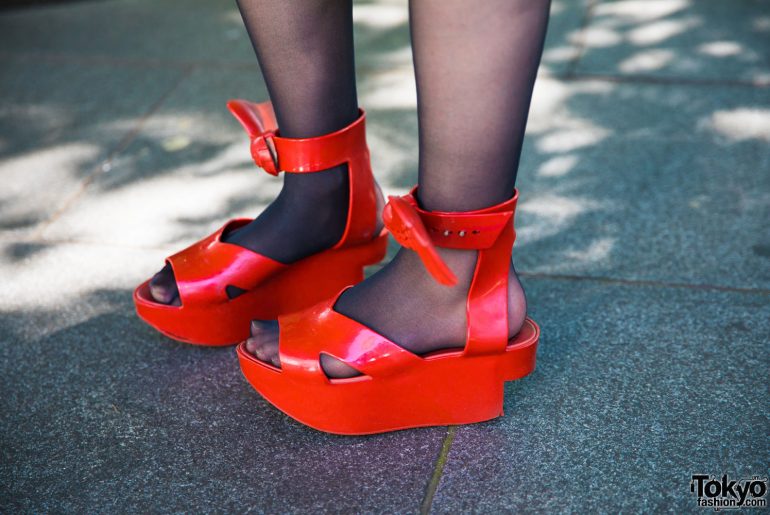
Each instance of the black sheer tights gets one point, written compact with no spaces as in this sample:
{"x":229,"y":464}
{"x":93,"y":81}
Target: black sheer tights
{"x":475,"y":64}
{"x":305,"y":51}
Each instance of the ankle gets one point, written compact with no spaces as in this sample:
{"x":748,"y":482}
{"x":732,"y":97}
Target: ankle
{"x":461,"y":262}
{"x":450,"y":198}
{"x":308,"y":215}
{"x":317,"y":200}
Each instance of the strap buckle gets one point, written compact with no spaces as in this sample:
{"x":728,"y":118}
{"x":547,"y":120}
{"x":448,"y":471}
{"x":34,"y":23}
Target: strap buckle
{"x":263,"y":152}
{"x":408,"y":229}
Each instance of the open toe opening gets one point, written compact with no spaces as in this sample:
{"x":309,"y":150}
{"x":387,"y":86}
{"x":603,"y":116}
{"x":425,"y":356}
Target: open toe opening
{"x":337,"y":370}
{"x":264,"y":360}
{"x":234,"y":292}
{"x":162,"y":288}
{"x":143,"y":294}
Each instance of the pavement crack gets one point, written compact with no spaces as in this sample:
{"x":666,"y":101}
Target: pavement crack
{"x":438,"y":470}
{"x":106,"y":164}
{"x":581,"y":44}
{"x":644,"y":282}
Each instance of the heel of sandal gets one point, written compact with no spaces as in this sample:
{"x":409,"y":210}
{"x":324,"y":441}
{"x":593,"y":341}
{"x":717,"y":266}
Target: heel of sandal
{"x":519,"y":358}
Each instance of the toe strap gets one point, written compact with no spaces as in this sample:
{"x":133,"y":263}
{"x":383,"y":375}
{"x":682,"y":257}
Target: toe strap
{"x":204,"y":270}
{"x":321,"y":330}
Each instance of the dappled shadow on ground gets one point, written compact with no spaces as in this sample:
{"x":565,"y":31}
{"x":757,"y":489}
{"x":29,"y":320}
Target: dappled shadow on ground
{"x":141,"y":418}
{"x":630,"y":176}
{"x":687,"y":39}
{"x":606,"y":164}
{"x":626,"y":377}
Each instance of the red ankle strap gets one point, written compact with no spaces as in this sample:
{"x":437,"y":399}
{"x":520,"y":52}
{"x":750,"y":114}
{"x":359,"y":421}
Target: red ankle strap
{"x":348,"y":145}
{"x":422,"y":231}
{"x":275,"y":154}
{"x":488,"y":230}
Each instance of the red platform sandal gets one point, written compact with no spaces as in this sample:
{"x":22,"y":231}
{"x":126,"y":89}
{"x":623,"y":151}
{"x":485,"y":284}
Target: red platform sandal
{"x":203,"y":271}
{"x":399,"y":389}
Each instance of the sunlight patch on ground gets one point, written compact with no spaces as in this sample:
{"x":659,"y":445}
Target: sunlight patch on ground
{"x":548,"y":110}
{"x":597,"y":250}
{"x":234,"y":156}
{"x":721,"y":49}
{"x":762,"y":23}
{"x":44,"y":177}
{"x":555,"y":128}
{"x":741,"y":124}
{"x":597,"y":37}
{"x":552,"y":214}
{"x":381,"y":16}
{"x":572,"y":138}
{"x":560,"y":54}
{"x":65,"y":159}
{"x":548,"y":99}
{"x":233,"y":16}
{"x":391,"y":89}
{"x":647,"y":60}
{"x":557,"y":166}
{"x":557,"y":7}
{"x":639,"y":23}
{"x":37,"y":282}
{"x":175,"y":143}
{"x":391,"y":151}
{"x":159,"y":210}
{"x":638,"y":11}
{"x":170,"y":125}
{"x":556,"y":207}
{"x":659,"y":31}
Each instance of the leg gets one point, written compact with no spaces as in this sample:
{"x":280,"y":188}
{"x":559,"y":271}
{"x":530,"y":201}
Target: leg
{"x":305,"y":51}
{"x":475,"y":65}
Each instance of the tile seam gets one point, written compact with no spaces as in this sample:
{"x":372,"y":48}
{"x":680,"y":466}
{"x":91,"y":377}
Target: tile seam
{"x":644,"y":282}
{"x":581,"y":45}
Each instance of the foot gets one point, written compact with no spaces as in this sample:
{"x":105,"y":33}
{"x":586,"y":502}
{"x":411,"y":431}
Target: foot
{"x":308,"y":216}
{"x":406,"y":305}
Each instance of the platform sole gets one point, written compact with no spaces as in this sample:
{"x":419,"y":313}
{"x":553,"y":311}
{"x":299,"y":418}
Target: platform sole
{"x":303,"y":284}
{"x":447,"y":389}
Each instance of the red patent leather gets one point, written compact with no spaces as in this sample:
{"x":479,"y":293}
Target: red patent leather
{"x":398,"y":389}
{"x":204,"y":270}
{"x":348,"y":145}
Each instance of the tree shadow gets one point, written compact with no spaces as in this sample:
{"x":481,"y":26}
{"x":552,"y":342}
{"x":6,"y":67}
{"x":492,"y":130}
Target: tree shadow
{"x":606,"y":163}
{"x":622,"y":177}
{"x":145,"y":420}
